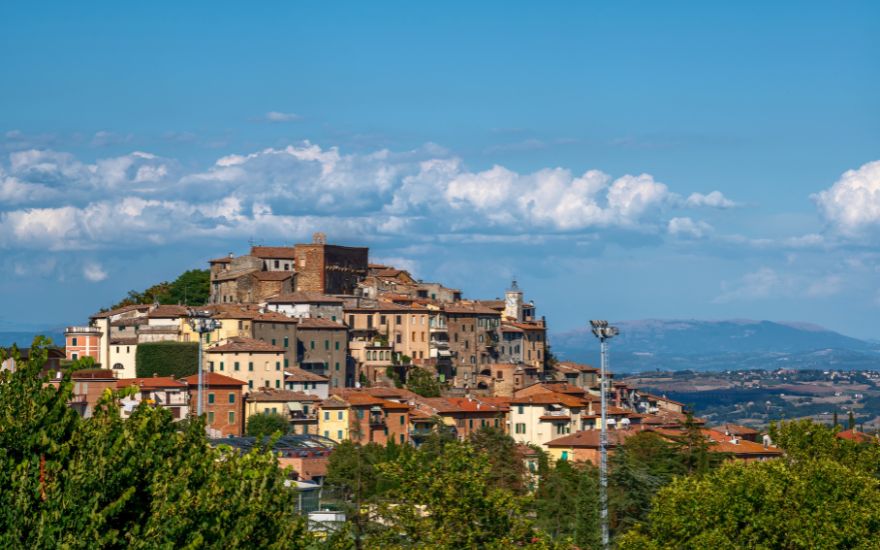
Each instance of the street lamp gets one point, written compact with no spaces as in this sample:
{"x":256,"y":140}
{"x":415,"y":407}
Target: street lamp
{"x":201,"y":322}
{"x":604,"y":332}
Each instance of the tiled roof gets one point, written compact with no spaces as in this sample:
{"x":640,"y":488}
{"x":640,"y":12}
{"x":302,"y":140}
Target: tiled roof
{"x":589,"y":439}
{"x":458,"y":404}
{"x":214,"y":379}
{"x":129,"y":322}
{"x":379,"y":307}
{"x":736,"y":429}
{"x":124,"y":341}
{"x":278,"y":396}
{"x":274,"y":252}
{"x":223,"y":260}
{"x":123,"y":309}
{"x":577,"y":366}
{"x":473,"y":309}
{"x":549,"y":398}
{"x":319,"y":323}
{"x":274,"y":317}
{"x":853,"y":435}
{"x":240,"y":344}
{"x":91,"y":374}
{"x":150,"y":383}
{"x":303,"y":297}
{"x":334,"y":402}
{"x":300,"y":375}
{"x":273,"y":275}
{"x":234,"y":275}
{"x":168,"y":312}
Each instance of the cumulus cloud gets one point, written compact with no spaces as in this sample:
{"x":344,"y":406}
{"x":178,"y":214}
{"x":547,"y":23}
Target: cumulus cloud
{"x":686,"y":227}
{"x":54,"y":200}
{"x":766,"y":283}
{"x":276,"y":116}
{"x":93,"y":272}
{"x":852,"y":204}
{"x":715,"y":199}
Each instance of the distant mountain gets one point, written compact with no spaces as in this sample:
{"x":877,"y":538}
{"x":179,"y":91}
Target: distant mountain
{"x":23,"y":339}
{"x":729,"y":344}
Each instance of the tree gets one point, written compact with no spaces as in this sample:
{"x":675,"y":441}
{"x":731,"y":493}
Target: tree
{"x":774,"y":504}
{"x":140,"y":482}
{"x":263,"y":425}
{"x":422,"y":382}
{"x":191,"y":287}
{"x":851,"y":421}
{"x":566,"y":503}
{"x":506,"y":467}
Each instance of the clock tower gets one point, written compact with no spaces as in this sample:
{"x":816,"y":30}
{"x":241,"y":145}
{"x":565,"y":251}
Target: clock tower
{"x":513,"y":302}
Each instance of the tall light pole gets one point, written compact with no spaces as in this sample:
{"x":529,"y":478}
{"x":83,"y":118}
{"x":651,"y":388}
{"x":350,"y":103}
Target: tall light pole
{"x":201,"y":322}
{"x":604,"y":332}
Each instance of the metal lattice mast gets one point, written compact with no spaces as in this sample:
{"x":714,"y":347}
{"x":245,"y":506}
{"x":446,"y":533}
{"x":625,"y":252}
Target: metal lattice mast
{"x":201,"y":322}
{"x":603,"y":332}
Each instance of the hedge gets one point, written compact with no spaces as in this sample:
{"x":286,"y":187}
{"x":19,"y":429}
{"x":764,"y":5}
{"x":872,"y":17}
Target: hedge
{"x":177,"y":359}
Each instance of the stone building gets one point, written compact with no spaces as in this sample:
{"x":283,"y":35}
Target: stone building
{"x":222,"y":402}
{"x":278,"y":330}
{"x":328,"y":268}
{"x":322,"y":348}
{"x":472,"y":335}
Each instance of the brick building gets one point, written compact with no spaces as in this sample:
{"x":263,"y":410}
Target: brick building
{"x":328,"y":268}
{"x":223,"y":404}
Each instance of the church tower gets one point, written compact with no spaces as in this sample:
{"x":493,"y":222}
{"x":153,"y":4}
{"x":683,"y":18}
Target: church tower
{"x":513,"y":302}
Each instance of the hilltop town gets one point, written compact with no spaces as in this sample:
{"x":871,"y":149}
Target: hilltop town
{"x":338,"y":346}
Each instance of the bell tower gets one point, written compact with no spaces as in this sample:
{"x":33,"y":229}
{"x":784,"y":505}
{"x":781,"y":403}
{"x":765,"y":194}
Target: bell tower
{"x":513,"y":302}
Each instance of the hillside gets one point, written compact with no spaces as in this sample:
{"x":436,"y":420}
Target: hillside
{"x":728,"y":344}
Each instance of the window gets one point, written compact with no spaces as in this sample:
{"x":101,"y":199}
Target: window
{"x":74,"y":340}
{"x":337,"y":345}
{"x":497,"y":423}
{"x":277,"y":365}
{"x":286,"y":363}
{"x":520,"y":409}
{"x":471,"y":423}
{"x":273,"y":341}
{"x":286,"y":342}
{"x":326,"y":434}
{"x":381,"y":319}
{"x":398,"y":320}
{"x":117,"y":349}
{"x":221,"y":365}
{"x":339,"y":434}
{"x":520,"y":428}
{"x":397,"y":338}
{"x":326,"y":416}
{"x":360,"y":414}
{"x":240,"y":325}
{"x":75,"y":356}
{"x":326,"y":345}
{"x":500,"y":374}
{"x":250,"y":384}
{"x":232,"y":417}
{"x":210,"y":417}
{"x":402,"y":420}
{"x":211,"y":398}
{"x":277,"y":383}
{"x":414,"y":336}
{"x":236,"y":366}
{"x":337,"y":366}
{"x":339,"y":415}
{"x":564,"y":455}
{"x":231,"y":397}
{"x":311,"y":344}
{"x":267,"y":383}
{"x":351,"y":320}
{"x":250,"y":366}
{"x":402,"y":440}
{"x":277,"y":263}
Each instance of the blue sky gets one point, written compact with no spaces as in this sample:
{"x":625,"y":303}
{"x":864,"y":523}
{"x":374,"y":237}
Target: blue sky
{"x":624,"y":161}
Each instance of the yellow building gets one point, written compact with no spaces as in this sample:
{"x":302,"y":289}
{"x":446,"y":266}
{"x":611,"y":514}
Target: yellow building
{"x":299,"y":408}
{"x":235,"y":322}
{"x":254,"y":361}
{"x":333,"y":420}
{"x":406,"y":328}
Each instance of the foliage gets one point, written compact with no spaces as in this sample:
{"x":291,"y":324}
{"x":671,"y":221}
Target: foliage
{"x":506,"y":467}
{"x":141,"y":482}
{"x":423,"y":382}
{"x":449,"y":503}
{"x":263,"y":425}
{"x":775,"y":504}
{"x":805,"y":440}
{"x":567,"y":503}
{"x":391,"y":373}
{"x":177,"y":359}
{"x":190,"y":288}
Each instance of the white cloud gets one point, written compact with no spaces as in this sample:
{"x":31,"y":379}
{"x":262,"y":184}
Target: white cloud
{"x":686,"y":227}
{"x":852,"y":204}
{"x":276,"y":116}
{"x":767,"y":283}
{"x":715,"y":199}
{"x":93,"y":272}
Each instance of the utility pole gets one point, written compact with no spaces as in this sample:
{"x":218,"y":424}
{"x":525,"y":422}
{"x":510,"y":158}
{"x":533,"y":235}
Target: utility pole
{"x":201,"y":322}
{"x":604,"y":332}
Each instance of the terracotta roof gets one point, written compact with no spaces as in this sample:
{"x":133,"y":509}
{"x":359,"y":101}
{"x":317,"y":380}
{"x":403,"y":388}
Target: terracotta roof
{"x":214,"y":379}
{"x":853,"y":435}
{"x":119,"y":310}
{"x":359,"y":398}
{"x":168,"y":312}
{"x":235,"y":313}
{"x":273,"y":275}
{"x":380,"y":306}
{"x":277,"y":396}
{"x":509,"y":328}
{"x":473,"y":308}
{"x":124,"y":341}
{"x":129,"y":322}
{"x":91,"y":374}
{"x":303,"y":297}
{"x":319,"y":323}
{"x":240,"y":344}
{"x":549,"y":398}
{"x":150,"y":383}
{"x":736,"y":429}
{"x":458,"y":404}
{"x":274,"y":252}
{"x":300,"y":375}
{"x":719,"y":442}
{"x":223,"y":260}
{"x":497,"y":305}
{"x":526,"y":326}
{"x":577,"y":366}
{"x":589,"y":439}
{"x":334,"y":402}
{"x":274,"y":317}
{"x":234,"y":275}
{"x":390,"y":393}
{"x":502,"y":403}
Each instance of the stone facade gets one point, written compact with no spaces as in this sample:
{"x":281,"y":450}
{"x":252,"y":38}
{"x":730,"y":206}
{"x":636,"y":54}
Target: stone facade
{"x":330,"y":269}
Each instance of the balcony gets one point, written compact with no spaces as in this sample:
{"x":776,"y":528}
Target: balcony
{"x":377,"y":420}
{"x":82,"y":330}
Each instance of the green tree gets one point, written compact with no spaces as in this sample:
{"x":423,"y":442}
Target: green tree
{"x":263,"y":425}
{"x":566,"y":503}
{"x":774,"y":504}
{"x":140,"y":482}
{"x":191,"y":287}
{"x":422,"y":382}
{"x":507,"y":469}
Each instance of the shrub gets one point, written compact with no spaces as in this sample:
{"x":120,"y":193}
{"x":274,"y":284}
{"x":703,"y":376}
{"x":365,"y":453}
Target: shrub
{"x":177,"y":359}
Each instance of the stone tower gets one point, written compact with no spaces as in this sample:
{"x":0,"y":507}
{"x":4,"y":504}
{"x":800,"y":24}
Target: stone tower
{"x":513,"y":302}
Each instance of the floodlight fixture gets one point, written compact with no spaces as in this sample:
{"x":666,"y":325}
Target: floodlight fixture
{"x":604,"y":332}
